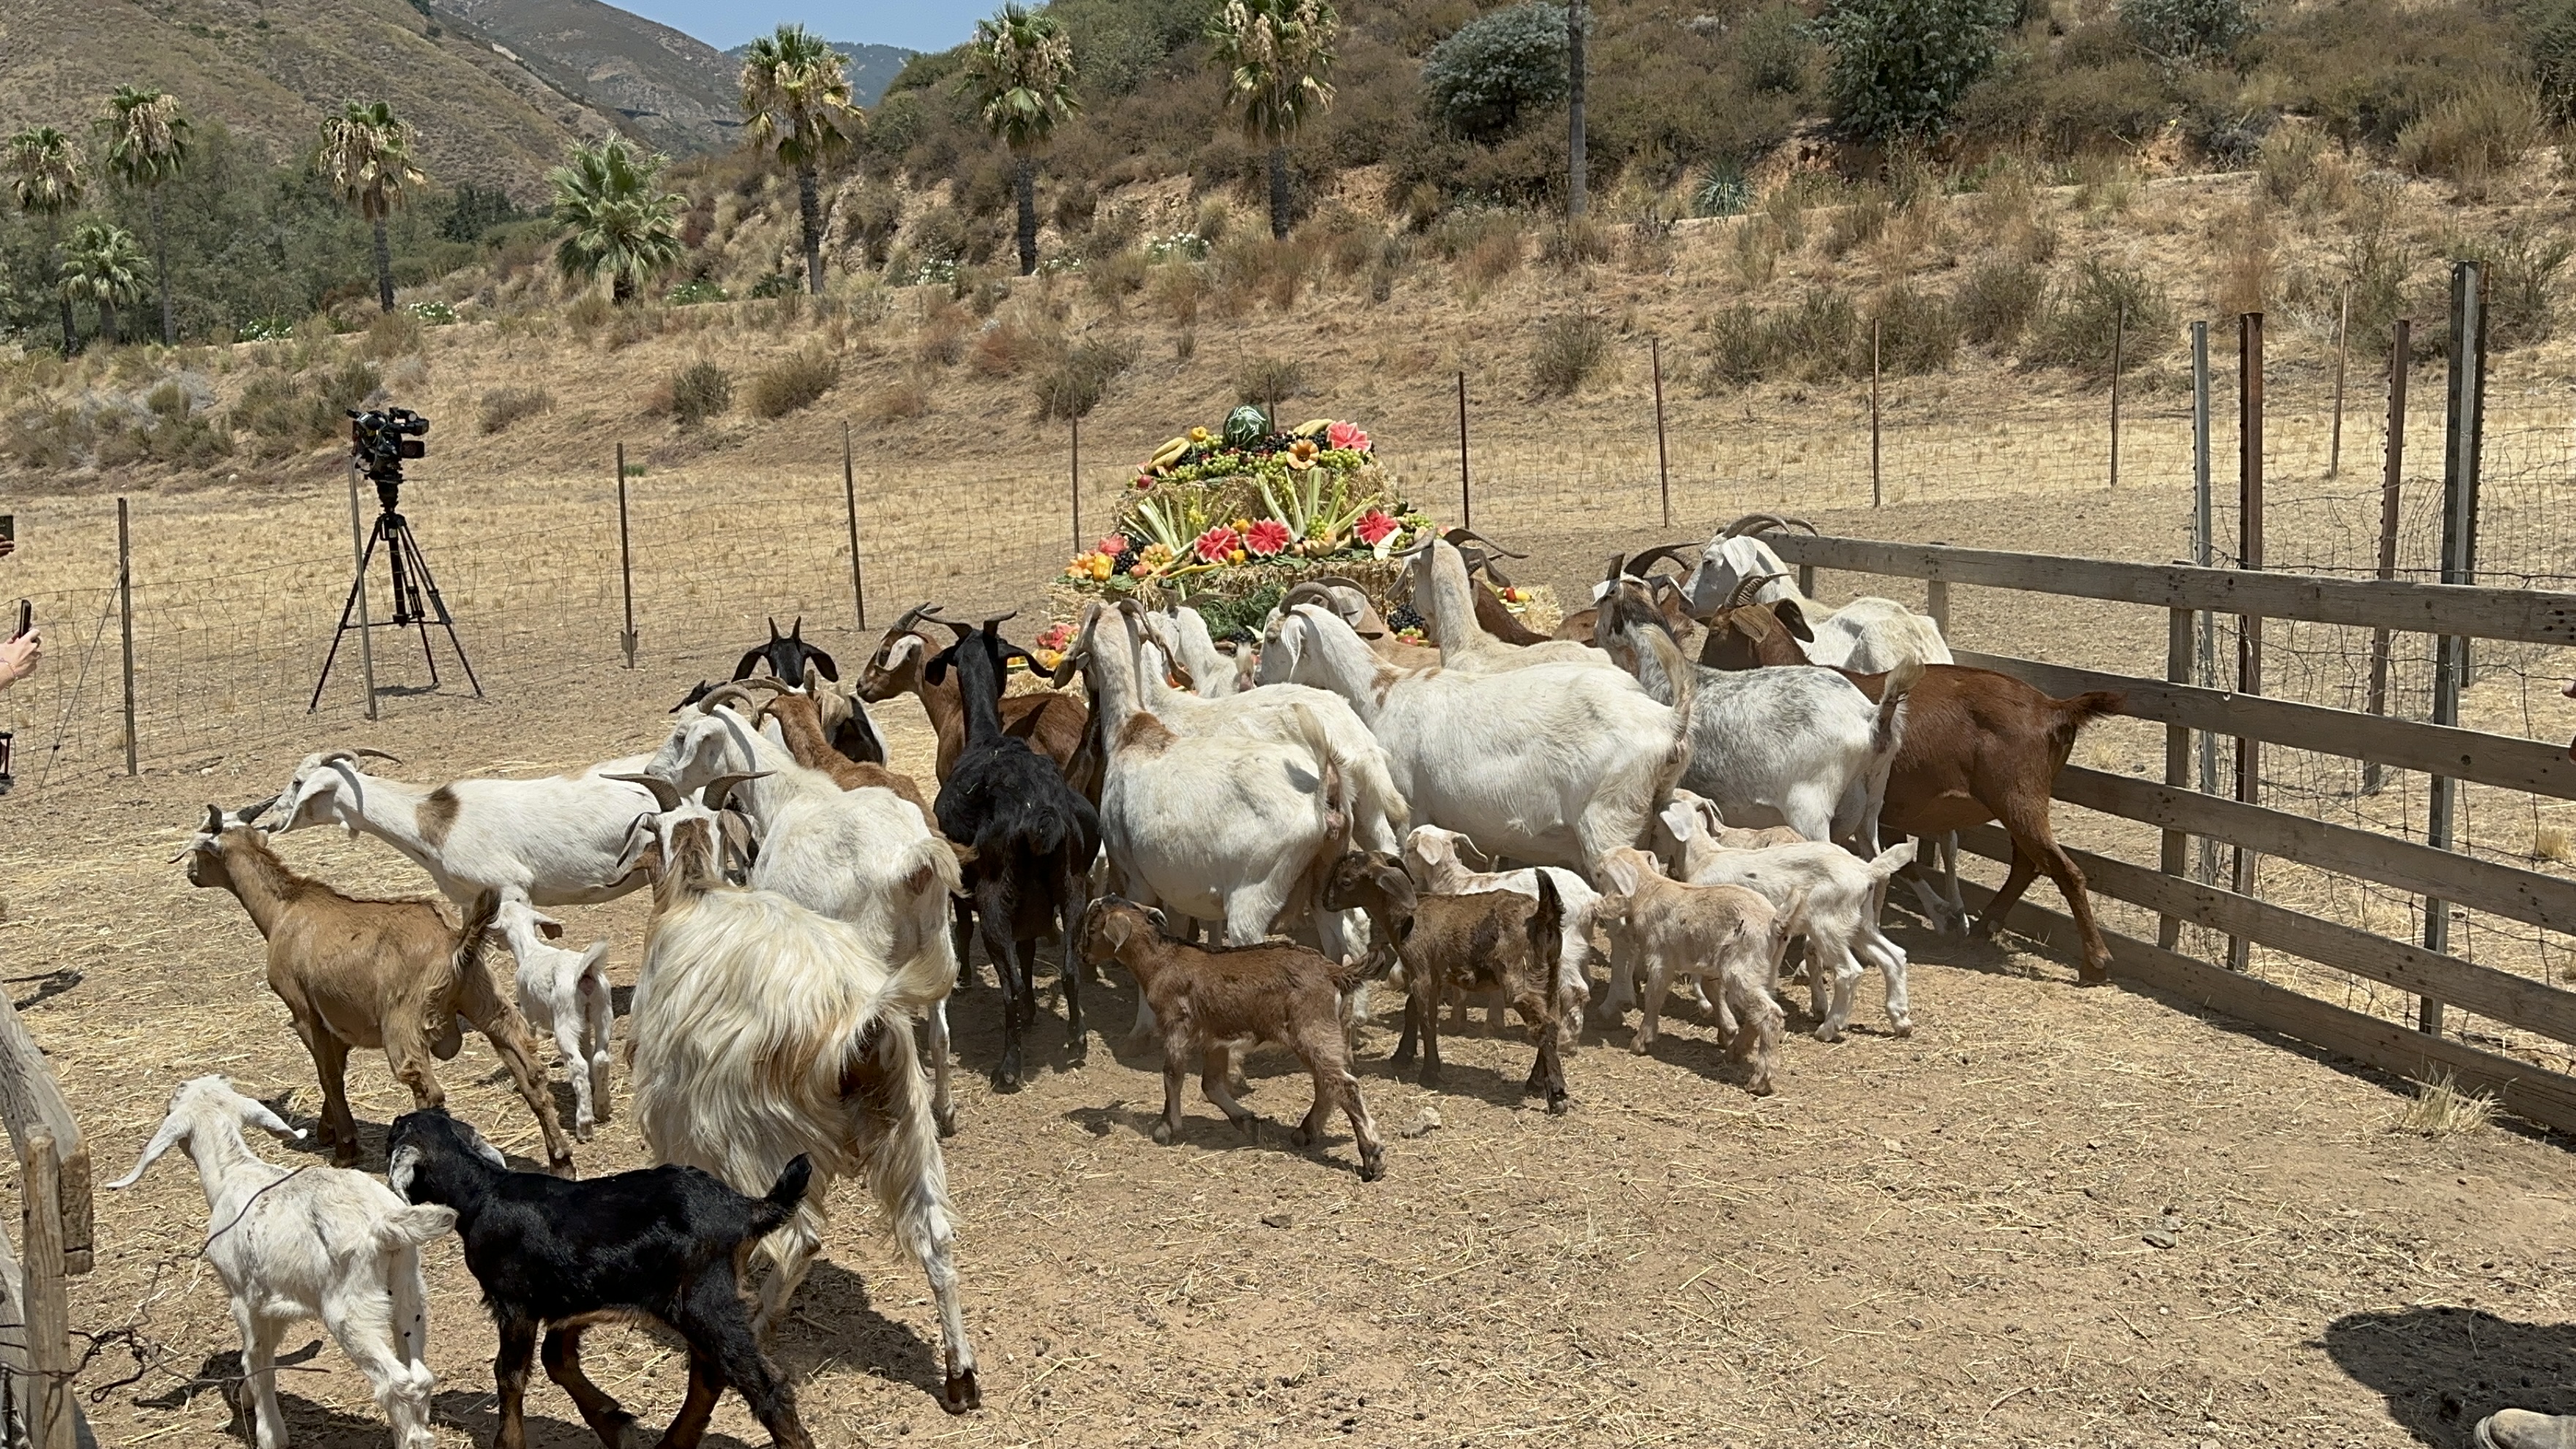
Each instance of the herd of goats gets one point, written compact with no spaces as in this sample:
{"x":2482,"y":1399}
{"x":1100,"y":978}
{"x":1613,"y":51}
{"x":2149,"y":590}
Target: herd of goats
{"x":1332,"y":806}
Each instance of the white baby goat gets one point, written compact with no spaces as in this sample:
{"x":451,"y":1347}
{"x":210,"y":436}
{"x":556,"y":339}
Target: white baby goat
{"x":1829,"y":895}
{"x":317,"y":1242}
{"x":565,"y":993}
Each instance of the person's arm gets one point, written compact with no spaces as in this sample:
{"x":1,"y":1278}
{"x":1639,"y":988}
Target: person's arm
{"x":19,"y":656}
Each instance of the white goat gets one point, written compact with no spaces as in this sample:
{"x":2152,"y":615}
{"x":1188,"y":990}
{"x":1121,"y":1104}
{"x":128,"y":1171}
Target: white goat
{"x":1554,"y":764}
{"x":1869,"y":635}
{"x":1182,"y":634}
{"x":1435,"y":579}
{"x":1825,"y":893}
{"x":1436,"y":859}
{"x":865,"y":856}
{"x":316,"y":1242}
{"x":1723,"y":931}
{"x":762,"y":1030}
{"x":565,"y":993}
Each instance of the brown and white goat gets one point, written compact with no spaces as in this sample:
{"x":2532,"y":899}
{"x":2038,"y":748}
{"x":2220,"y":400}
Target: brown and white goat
{"x":1978,"y":746}
{"x":801,"y":725}
{"x":1053,"y":722}
{"x":360,"y":973}
{"x":1490,"y":941}
{"x":1207,"y":1001}
{"x":1721,"y":932}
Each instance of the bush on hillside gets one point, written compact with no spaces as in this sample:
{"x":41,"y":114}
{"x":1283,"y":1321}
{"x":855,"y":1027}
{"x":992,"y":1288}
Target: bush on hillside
{"x":2522,"y":268}
{"x":2088,"y":317}
{"x":1262,"y":381}
{"x":503,"y":406}
{"x":2549,"y":39}
{"x":290,"y":411}
{"x":1900,"y":66}
{"x":2176,"y":31}
{"x":1569,"y":350}
{"x":1080,"y":379}
{"x":1997,"y":301}
{"x":1917,"y":331}
{"x":793,"y":382}
{"x":2475,"y":136}
{"x":1497,"y":68}
{"x":700,"y":391}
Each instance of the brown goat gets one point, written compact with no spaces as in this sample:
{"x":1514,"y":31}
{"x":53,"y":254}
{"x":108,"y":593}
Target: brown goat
{"x":1053,"y":722}
{"x":1978,"y":746}
{"x":358,"y":973}
{"x":800,"y":724}
{"x":1490,"y":941}
{"x":1205,"y":1001}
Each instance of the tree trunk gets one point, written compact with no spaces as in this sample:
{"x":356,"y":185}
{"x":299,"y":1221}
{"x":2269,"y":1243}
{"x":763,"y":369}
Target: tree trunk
{"x":384,"y":268}
{"x":107,"y":322}
{"x":54,"y":249}
{"x":1279,"y":189}
{"x":1575,"y":181}
{"x":621,"y":287}
{"x":809,"y":210}
{"x":1024,"y":175}
{"x":161,"y":264}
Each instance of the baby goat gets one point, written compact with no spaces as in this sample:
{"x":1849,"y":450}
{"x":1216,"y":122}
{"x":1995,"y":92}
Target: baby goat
{"x":1720,"y":931}
{"x":317,"y":1242}
{"x":1493,"y":941}
{"x":388,"y":974}
{"x":662,"y":1245}
{"x":1827,"y":894}
{"x":565,"y":993}
{"x":1207,"y":1001}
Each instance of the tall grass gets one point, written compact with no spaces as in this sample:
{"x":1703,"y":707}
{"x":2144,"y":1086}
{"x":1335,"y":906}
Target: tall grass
{"x":793,"y":382}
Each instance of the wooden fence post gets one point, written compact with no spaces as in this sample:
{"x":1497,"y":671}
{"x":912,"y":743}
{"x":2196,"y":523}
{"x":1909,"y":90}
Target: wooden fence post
{"x":1466,"y":496}
{"x":850,"y":497}
{"x":2343,"y":328}
{"x":625,"y":561}
{"x":1876,"y":497}
{"x":2249,"y":627}
{"x":1663,"y":470}
{"x":2463,"y":431}
{"x":2392,"y":482}
{"x":2202,"y":547}
{"x":1936,"y":597}
{"x":2119,"y":355}
{"x":47,"y":1300}
{"x":125,"y":622}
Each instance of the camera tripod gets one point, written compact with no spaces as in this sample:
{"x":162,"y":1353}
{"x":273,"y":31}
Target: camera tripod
{"x":416,"y":599}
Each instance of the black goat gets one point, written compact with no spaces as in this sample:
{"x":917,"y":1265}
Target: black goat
{"x":786,"y":655}
{"x":1033,"y":838}
{"x":665,"y":1243}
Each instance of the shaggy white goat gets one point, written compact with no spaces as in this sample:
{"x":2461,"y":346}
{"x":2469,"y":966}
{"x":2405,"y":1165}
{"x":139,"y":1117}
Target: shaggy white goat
{"x":316,"y":1242}
{"x":762,"y":1030}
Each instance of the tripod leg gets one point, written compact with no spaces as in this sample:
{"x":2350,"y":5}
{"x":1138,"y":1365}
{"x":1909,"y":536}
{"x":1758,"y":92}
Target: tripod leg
{"x":408,"y":570}
{"x":340,"y":633}
{"x":438,"y":605}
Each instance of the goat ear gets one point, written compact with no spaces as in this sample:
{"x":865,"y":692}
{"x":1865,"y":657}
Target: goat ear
{"x":817,"y":659}
{"x":751,"y":658}
{"x":174,"y":1130}
{"x":258,"y":1114}
{"x":1794,"y":619}
{"x":936,"y":671}
{"x":483,"y":1149}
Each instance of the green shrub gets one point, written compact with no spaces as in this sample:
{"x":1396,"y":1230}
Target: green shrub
{"x":1917,"y":331}
{"x":2549,"y":39}
{"x":1569,"y":350}
{"x":2474,"y":136}
{"x":1900,"y":66}
{"x":1997,"y":301}
{"x":1821,"y":337}
{"x":1497,"y":68}
{"x":776,"y":284}
{"x":2186,"y":30}
{"x":1722,"y":190}
{"x":793,"y":382}
{"x":292,"y":411}
{"x":503,"y":406}
{"x":694,"y":291}
{"x":1740,"y":349}
{"x":2084,"y":319}
{"x":1080,"y":379}
{"x":2522,"y":268}
{"x":435,"y":314}
{"x":392,"y":334}
{"x":1265,"y":380}
{"x":1574,"y":242}
{"x":1774,"y":50}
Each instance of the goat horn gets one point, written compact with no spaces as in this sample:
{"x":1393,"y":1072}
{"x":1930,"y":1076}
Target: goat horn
{"x":722,"y":785}
{"x":666,"y":796}
{"x":1336,"y":581}
{"x":997,"y":620}
{"x":1763,"y":523}
{"x":1618,"y":566}
{"x":963,"y":631}
{"x":1746,"y":587}
{"x":727,"y":694}
{"x":911,"y":617}
{"x":1472,"y":536}
{"x":1658,"y":554}
{"x":770,"y":683}
{"x":249,"y":813}
{"x":214,"y":820}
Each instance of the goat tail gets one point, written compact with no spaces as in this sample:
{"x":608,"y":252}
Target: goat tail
{"x":2075,"y":712}
{"x":479,"y":919}
{"x":930,"y":874}
{"x":1889,"y":731}
{"x":888,"y":1099}
{"x":769,"y":1213}
{"x":1332,"y":781}
{"x":1891,"y":860}
{"x":414,"y":1226}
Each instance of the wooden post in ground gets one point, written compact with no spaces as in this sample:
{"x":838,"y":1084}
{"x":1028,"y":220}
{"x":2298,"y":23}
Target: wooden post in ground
{"x":47,"y":1300}
{"x":2392,"y":483}
{"x":2464,"y":429}
{"x":1466,"y":495}
{"x":2201,"y":549}
{"x":2343,"y":327}
{"x":1663,"y":469}
{"x":625,"y":561}
{"x":1076,"y":469}
{"x":850,"y":497}
{"x":125,"y":623}
{"x":1876,"y":497}
{"x":2119,"y":351}
{"x":2249,"y":555}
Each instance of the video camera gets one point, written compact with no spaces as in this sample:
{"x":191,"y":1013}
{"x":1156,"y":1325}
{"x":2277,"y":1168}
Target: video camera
{"x":380,"y":439}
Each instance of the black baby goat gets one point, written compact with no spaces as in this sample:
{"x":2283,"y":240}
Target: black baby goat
{"x":665,"y":1243}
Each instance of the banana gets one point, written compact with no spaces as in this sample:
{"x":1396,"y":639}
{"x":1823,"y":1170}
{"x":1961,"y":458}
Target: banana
{"x":1312,"y":428}
{"x":1169,"y":453}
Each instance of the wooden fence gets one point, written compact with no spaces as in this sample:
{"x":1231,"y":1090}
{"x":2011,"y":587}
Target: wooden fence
{"x":38,"y":1407}
{"x":2454,"y":611}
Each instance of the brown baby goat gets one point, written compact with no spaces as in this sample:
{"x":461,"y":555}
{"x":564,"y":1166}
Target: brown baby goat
{"x":1205,"y":1001}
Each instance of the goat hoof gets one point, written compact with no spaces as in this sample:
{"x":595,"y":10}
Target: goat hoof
{"x":581,"y":1131}
{"x":1372,"y":1167}
{"x":947,"y":1122}
{"x":1901,"y":1028}
{"x":1298,"y":1136}
{"x":1558,"y":1104}
{"x":1827,"y":1033}
{"x":962,"y":1393}
{"x":1163,"y":1134}
{"x":1760,"y":1087}
{"x":1251,"y":1127}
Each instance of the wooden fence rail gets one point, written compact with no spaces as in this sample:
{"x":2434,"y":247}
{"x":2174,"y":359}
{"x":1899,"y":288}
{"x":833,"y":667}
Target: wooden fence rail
{"x":2418,"y":870}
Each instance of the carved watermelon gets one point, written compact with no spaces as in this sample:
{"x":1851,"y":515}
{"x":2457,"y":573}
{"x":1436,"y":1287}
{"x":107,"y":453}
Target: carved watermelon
{"x":1246,"y":426}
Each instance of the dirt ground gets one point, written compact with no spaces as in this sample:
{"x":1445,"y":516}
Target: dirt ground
{"x":1933,"y":1240}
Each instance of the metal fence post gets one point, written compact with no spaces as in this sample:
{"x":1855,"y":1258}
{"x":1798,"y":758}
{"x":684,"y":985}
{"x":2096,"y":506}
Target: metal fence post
{"x":2463,"y":430}
{"x":2119,"y":355}
{"x":2392,"y":482}
{"x":850,"y":497}
{"x":1876,"y":498}
{"x":1075,"y":466}
{"x":625,"y":561}
{"x":125,"y":624}
{"x":2249,"y":627}
{"x":1663,"y":469}
{"x":1466,"y":496}
{"x":2343,"y":331}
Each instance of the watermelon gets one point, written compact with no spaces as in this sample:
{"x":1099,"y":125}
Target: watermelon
{"x":1246,"y":426}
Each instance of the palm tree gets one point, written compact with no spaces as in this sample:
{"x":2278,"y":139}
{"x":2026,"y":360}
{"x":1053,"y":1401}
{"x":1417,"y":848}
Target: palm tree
{"x":621,"y":224}
{"x":147,"y":144}
{"x":366,"y":151}
{"x":1020,"y":72}
{"x":1275,"y":54}
{"x":44,"y":175}
{"x":105,"y":268}
{"x":798,"y":103}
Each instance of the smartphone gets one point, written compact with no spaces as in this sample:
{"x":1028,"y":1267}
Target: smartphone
{"x":26,"y":618}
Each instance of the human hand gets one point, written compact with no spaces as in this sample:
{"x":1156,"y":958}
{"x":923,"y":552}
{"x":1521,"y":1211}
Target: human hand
{"x":19,"y":656}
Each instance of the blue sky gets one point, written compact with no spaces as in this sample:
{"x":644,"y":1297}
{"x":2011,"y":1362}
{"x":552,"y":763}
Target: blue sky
{"x":915,"y":24}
